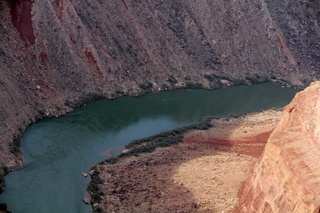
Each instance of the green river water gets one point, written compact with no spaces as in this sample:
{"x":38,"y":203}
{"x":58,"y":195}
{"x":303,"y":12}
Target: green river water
{"x":57,"y":150}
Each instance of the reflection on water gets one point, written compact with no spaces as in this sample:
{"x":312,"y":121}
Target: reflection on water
{"x":57,"y":150}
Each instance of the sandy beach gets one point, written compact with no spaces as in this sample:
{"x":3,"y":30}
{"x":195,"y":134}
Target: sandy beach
{"x":204,"y":173}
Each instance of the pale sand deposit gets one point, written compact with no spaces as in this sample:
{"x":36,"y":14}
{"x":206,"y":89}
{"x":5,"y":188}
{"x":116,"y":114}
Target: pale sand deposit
{"x":205,"y":173}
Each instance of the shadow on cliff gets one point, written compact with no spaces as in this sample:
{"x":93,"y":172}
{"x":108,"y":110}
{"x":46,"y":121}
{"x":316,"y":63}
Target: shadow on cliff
{"x":214,"y":166}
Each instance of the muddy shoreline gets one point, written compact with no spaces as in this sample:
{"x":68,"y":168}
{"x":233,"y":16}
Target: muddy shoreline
{"x":218,"y":155}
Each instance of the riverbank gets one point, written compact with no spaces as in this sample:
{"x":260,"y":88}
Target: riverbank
{"x":73,"y":143}
{"x":17,"y":121}
{"x":204,"y":173}
{"x":48,"y":70}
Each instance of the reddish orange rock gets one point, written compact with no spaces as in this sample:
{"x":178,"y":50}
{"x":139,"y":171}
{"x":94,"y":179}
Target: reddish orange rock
{"x":287,"y":176}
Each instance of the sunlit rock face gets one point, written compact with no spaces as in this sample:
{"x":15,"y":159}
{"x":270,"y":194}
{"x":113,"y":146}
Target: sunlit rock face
{"x":287,"y":177}
{"x":56,"y":55}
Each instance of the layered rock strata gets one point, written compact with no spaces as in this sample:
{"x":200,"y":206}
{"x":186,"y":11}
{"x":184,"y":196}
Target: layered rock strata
{"x":287,"y":178}
{"x":56,"y":55}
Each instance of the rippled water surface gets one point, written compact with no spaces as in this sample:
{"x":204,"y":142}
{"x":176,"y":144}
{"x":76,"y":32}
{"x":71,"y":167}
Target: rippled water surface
{"x":57,"y":150}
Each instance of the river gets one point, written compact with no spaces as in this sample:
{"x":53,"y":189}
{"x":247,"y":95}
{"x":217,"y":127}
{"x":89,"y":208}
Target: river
{"x":57,"y":150}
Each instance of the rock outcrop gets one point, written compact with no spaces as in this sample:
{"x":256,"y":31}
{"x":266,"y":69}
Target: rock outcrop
{"x":56,"y":55}
{"x":287,"y":177}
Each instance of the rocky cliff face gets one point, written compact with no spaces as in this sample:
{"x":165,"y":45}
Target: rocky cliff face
{"x":286,"y":179}
{"x":56,"y":55}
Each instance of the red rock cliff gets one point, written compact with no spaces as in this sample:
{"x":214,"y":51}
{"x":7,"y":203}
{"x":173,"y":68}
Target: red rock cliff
{"x":287,"y":177}
{"x":56,"y":55}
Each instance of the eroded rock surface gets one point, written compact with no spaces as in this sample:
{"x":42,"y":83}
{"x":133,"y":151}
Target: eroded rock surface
{"x":287,"y":177}
{"x":56,"y":55}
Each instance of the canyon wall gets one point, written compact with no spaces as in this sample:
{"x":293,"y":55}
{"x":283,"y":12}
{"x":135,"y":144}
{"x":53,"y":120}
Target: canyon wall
{"x":56,"y":55}
{"x":286,"y":178}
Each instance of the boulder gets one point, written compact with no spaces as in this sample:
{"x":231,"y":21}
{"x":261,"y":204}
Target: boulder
{"x":86,"y":200}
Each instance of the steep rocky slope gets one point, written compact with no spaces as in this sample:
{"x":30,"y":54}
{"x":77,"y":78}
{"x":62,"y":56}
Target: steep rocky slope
{"x":56,"y":55}
{"x":286,"y":178}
